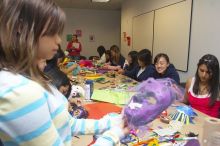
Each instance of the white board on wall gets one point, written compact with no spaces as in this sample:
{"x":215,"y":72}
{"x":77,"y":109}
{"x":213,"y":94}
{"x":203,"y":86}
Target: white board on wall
{"x":172,"y":33}
{"x":142,"y":31}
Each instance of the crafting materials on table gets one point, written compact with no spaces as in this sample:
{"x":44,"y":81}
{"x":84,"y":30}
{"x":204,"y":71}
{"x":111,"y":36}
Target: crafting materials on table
{"x":92,"y":76}
{"x":79,"y":112}
{"x":183,"y":114}
{"x":76,"y":70}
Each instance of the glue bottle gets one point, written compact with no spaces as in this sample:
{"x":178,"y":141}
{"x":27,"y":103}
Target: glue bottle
{"x":88,"y":89}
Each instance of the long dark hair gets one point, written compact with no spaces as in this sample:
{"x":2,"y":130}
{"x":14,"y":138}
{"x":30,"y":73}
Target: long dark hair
{"x":58,"y":79}
{"x":213,"y":69}
{"x":145,"y":56}
{"x":101,"y":50}
{"x":133,"y":55}
{"x":115,"y":59}
{"x":158,"y":56}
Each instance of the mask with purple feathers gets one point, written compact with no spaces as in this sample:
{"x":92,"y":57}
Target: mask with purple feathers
{"x":151,"y":99}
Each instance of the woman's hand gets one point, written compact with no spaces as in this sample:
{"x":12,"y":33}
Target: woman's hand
{"x":121,"y":71}
{"x":77,"y":101}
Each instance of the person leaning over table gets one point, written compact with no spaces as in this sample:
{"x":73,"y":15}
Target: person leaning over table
{"x":102,"y":54}
{"x":144,"y":70}
{"x":56,"y":62}
{"x":202,"y":90}
{"x":131,"y":62}
{"x":117,"y":61}
{"x":24,"y":91}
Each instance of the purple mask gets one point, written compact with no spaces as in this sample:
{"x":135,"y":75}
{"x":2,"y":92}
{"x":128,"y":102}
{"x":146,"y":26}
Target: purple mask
{"x":152,"y":98}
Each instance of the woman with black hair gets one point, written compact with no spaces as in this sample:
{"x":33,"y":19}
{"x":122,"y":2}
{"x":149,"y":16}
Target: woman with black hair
{"x":102,"y":54}
{"x":131,"y":62}
{"x":60,"y":81}
{"x":164,"y":69}
{"x":56,"y":78}
{"x":55,"y":62}
{"x":202,"y":91}
{"x":144,"y":70}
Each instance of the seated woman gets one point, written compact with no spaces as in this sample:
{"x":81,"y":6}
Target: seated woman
{"x":56,"y":60}
{"x":60,"y":81}
{"x":202,"y":91}
{"x":117,"y":61}
{"x":163,"y":68}
{"x":101,"y":50}
{"x":56,"y":77}
{"x":144,"y":70}
{"x":132,"y":62}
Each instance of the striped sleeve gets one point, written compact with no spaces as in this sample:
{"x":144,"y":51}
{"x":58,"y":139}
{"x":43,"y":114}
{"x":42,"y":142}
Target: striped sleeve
{"x":110,"y":137}
{"x":25,"y":118}
{"x":90,"y":126}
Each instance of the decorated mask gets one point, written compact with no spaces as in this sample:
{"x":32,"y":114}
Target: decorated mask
{"x":151,"y":99}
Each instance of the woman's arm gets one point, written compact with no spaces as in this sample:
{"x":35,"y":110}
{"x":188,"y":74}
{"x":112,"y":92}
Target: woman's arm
{"x":90,"y":126}
{"x":110,"y":137}
{"x":188,"y":83}
{"x":132,"y":73}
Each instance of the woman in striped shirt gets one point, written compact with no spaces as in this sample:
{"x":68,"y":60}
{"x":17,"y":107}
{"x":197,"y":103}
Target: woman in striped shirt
{"x":31,"y":112}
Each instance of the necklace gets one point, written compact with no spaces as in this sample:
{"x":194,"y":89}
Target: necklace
{"x":203,"y":89}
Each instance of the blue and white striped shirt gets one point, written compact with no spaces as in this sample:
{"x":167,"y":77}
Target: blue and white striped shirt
{"x":30,"y":115}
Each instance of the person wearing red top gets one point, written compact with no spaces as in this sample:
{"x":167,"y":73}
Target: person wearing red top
{"x":202,"y":91}
{"x":74,"y":48}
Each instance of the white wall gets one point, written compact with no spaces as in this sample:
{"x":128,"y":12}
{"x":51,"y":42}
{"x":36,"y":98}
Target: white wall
{"x":205,"y":31}
{"x":104,"y":25}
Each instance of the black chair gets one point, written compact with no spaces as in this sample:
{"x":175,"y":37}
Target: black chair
{"x":94,"y":57}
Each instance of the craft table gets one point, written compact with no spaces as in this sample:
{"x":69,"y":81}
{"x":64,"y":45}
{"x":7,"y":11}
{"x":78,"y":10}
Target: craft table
{"x":196,"y":128}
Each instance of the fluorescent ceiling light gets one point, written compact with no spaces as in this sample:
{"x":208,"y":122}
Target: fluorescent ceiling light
{"x":100,"y":1}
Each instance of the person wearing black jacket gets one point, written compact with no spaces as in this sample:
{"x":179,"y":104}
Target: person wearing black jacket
{"x":116,"y":58}
{"x":131,"y":62}
{"x":164,"y":69}
{"x":144,"y":70}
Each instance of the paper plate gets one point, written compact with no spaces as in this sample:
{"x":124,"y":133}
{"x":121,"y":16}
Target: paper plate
{"x":92,"y":76}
